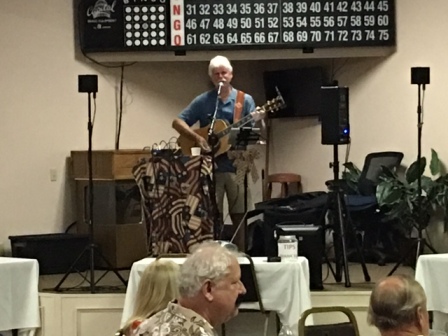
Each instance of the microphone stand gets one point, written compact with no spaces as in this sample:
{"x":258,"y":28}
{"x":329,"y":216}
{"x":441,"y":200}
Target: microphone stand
{"x":212,"y":142}
{"x":212,"y":123}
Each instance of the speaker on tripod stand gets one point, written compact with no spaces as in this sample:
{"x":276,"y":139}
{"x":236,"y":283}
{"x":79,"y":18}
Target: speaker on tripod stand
{"x":419,"y":77}
{"x":335,"y":132}
{"x":89,"y":84}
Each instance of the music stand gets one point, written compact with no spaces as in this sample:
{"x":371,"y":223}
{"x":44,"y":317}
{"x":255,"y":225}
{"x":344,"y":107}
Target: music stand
{"x":239,"y":139}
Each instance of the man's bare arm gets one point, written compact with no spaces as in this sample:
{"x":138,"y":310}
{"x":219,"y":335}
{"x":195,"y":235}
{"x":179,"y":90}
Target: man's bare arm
{"x":182,"y":128}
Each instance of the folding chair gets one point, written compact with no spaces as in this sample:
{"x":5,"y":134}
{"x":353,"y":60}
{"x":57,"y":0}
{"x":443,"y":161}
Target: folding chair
{"x":349,"y":328}
{"x":249,"y":279}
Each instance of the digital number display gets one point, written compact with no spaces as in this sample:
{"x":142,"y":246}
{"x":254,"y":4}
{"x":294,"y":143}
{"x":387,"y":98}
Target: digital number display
{"x":291,"y":24}
{"x":182,"y":25}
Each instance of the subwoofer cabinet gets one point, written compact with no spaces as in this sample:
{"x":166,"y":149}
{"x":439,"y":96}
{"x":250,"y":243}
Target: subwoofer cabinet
{"x":117,"y":222}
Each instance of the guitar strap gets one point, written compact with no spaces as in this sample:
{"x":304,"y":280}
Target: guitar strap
{"x":239,"y":103}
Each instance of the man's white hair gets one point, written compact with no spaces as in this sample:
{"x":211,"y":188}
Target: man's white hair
{"x":219,"y":61}
{"x":210,"y":261}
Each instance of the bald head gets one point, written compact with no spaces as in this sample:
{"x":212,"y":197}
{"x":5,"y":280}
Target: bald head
{"x":396,"y":303}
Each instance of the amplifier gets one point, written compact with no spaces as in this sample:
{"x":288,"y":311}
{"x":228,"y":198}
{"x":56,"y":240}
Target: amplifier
{"x":310,"y":238}
{"x":310,"y":245}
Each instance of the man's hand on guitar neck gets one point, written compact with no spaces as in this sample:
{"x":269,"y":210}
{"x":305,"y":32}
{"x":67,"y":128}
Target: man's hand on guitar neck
{"x":258,"y":114}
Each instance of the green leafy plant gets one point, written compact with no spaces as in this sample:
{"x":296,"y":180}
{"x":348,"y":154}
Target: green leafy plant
{"x":400,"y":197}
{"x":351,"y":176}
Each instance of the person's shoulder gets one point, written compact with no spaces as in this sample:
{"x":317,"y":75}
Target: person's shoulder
{"x":248,"y":96}
{"x":149,"y":325}
{"x":206,"y":94}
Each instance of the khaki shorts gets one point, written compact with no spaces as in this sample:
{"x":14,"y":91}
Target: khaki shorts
{"x":225,"y":184}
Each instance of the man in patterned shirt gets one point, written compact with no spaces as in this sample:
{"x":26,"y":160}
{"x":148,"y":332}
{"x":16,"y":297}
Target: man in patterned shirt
{"x":209,"y":286}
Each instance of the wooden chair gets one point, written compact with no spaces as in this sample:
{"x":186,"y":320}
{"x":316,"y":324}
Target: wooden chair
{"x":349,"y":328}
{"x":284,"y":179}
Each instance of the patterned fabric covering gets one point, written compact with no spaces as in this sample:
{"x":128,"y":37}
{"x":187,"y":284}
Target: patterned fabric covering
{"x":177,"y":205}
{"x":175,"y":320}
{"x":244,"y":161}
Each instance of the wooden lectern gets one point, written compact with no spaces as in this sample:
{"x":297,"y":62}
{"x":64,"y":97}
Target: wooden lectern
{"x":117,"y":226}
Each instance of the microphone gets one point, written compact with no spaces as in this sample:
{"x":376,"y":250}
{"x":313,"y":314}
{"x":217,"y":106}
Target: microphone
{"x":220,"y":85}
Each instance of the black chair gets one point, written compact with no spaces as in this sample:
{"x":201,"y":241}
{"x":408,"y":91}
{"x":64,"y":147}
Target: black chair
{"x":373,"y":167}
{"x":367,"y":217}
{"x":349,"y":328}
{"x":249,"y":279}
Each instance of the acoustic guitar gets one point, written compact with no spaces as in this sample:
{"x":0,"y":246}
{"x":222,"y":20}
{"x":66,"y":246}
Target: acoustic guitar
{"x":222,"y":128}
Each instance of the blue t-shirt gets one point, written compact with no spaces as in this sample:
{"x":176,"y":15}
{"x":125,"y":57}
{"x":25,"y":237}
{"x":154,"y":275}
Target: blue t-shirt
{"x":201,"y":110}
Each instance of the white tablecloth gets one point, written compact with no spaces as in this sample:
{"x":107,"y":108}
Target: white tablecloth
{"x":432,"y":274}
{"x":284,"y":288}
{"x":19,"y":296}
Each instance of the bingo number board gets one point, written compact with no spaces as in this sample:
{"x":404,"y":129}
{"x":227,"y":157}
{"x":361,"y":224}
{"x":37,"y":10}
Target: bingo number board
{"x":182,"y":25}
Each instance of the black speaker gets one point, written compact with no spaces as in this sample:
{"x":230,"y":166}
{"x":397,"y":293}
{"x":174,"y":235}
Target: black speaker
{"x":88,"y":83}
{"x":334,"y":115}
{"x":420,"y":75}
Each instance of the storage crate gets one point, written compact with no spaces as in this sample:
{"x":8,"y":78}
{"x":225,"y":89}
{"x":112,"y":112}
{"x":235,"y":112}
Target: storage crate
{"x":54,"y":252}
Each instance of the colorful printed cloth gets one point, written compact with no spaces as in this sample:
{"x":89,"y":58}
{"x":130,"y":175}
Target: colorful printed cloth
{"x":178,"y":208}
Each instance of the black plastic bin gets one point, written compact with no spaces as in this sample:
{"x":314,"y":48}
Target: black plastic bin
{"x":54,"y":252}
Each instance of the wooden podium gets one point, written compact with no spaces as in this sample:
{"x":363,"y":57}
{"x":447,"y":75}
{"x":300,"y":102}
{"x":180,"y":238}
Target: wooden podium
{"x":117,"y":225}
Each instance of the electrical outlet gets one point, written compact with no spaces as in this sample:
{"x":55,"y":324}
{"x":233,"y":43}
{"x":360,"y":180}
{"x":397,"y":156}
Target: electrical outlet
{"x":53,"y":175}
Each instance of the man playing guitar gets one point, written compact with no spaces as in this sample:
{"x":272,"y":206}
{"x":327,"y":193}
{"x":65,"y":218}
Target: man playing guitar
{"x":232,"y":104}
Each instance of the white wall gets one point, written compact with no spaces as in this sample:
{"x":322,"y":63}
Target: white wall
{"x":43,"y":117}
{"x":99,"y":314}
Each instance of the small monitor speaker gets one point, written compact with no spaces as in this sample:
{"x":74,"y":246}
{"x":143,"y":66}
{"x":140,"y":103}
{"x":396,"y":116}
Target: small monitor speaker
{"x":88,"y":83}
{"x":420,"y":75}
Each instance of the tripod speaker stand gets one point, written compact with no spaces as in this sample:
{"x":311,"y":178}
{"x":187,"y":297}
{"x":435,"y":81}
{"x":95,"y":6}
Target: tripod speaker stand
{"x":419,"y":76}
{"x":336,"y":131}
{"x":89,"y":85}
{"x":341,"y":223}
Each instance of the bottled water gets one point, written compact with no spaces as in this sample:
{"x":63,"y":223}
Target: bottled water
{"x":285,"y":331}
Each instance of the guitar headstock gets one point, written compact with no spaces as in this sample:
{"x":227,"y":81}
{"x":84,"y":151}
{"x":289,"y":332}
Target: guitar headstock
{"x":274,"y":104}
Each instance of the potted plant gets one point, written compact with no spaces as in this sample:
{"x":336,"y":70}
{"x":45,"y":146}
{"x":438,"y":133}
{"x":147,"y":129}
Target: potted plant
{"x":400,"y":197}
{"x":350,"y":176}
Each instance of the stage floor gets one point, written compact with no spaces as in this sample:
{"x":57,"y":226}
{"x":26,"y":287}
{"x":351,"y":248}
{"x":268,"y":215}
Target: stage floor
{"x":357,"y":277}
{"x":111,"y":284}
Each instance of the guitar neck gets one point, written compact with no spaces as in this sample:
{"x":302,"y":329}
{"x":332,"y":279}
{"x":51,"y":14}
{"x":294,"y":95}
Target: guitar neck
{"x":238,"y":124}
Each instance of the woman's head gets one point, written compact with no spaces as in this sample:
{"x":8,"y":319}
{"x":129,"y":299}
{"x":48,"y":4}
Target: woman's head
{"x":158,"y":286}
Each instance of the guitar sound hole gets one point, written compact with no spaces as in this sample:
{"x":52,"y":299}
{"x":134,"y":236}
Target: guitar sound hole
{"x":213,"y":141}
